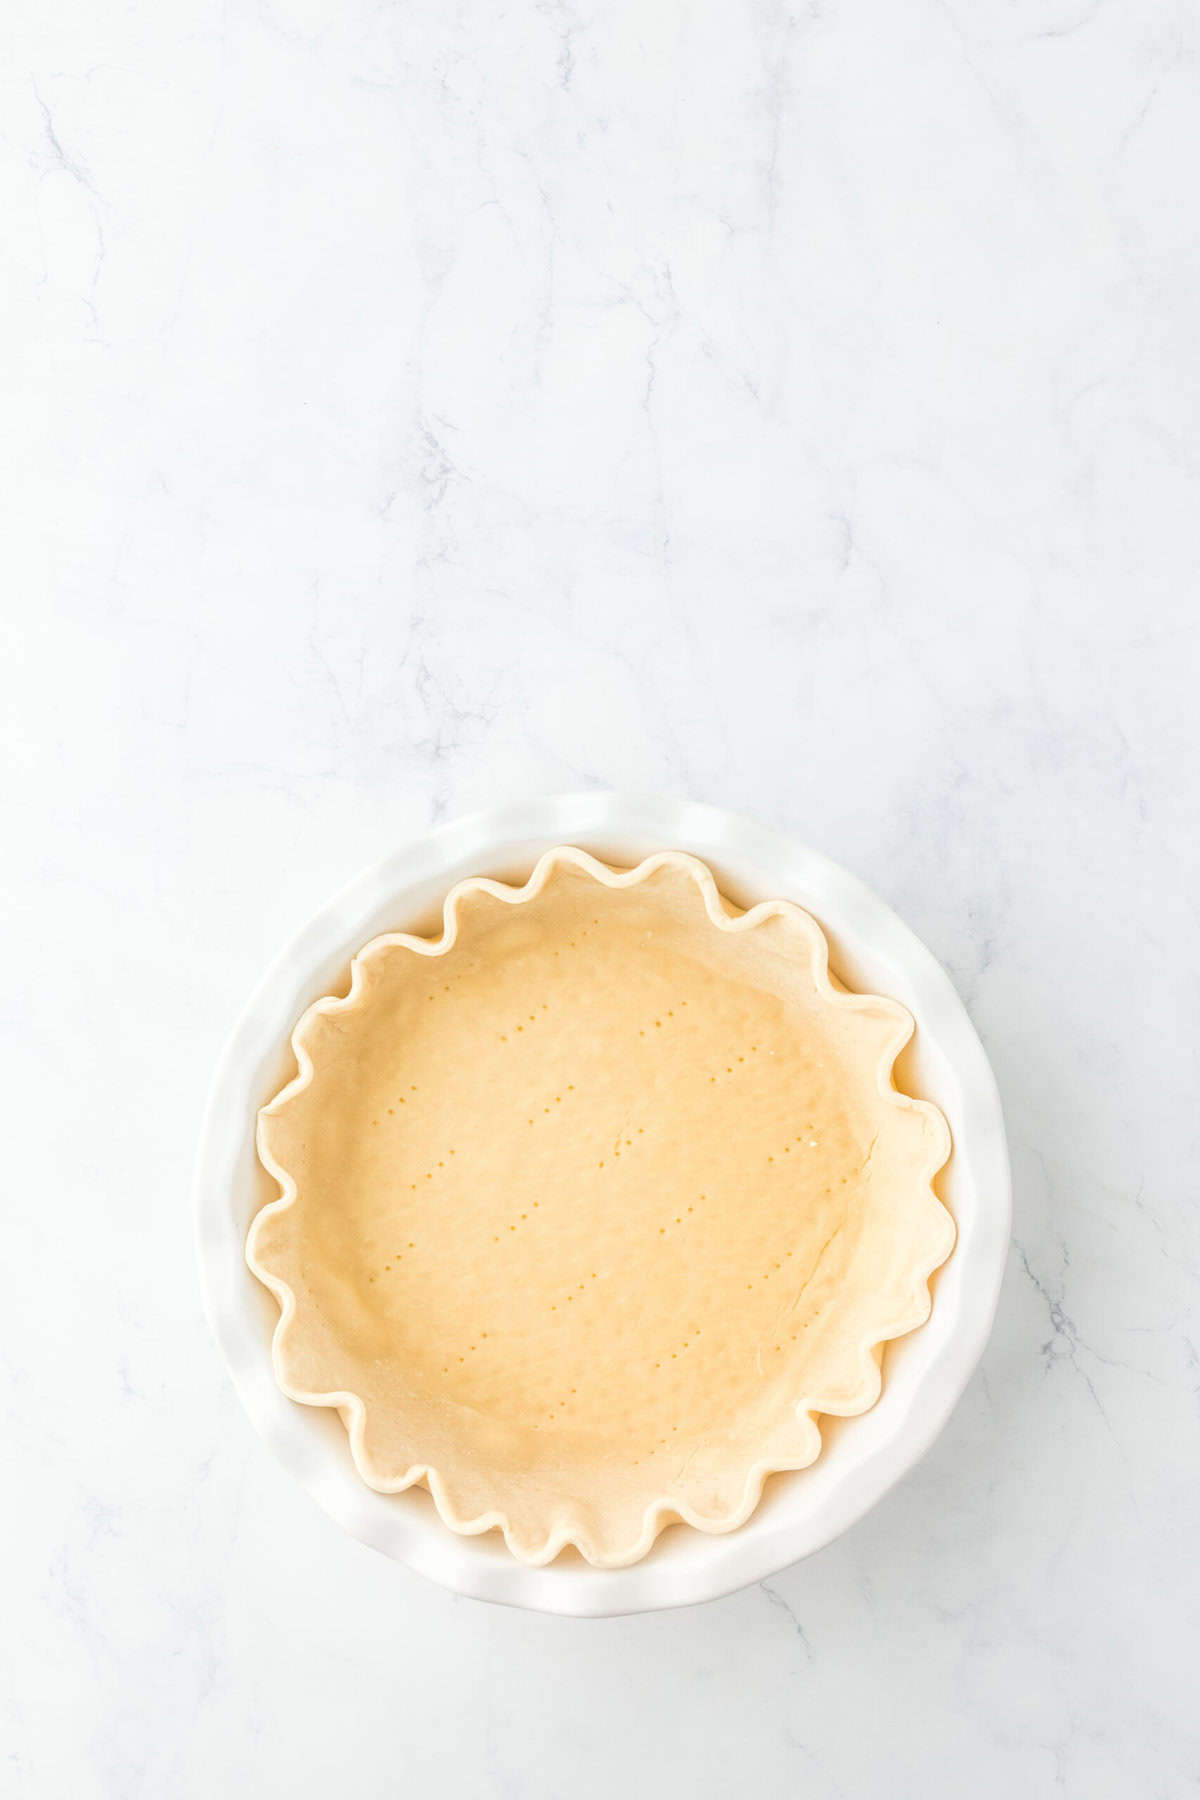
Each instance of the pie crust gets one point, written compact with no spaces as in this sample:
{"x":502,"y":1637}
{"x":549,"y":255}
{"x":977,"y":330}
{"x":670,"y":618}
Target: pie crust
{"x":591,"y":1205}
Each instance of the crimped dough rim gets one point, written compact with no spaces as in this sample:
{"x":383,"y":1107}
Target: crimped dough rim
{"x":660,"y":1512}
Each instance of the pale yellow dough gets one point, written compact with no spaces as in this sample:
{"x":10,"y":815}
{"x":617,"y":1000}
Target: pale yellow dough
{"x":591,"y":1205}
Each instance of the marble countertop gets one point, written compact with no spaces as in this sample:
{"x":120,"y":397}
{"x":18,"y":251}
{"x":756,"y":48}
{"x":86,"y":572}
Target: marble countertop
{"x":409,"y":407}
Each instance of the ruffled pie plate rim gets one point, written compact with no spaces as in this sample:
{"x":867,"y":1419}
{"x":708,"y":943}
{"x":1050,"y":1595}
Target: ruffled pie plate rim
{"x":926,"y":1372}
{"x":934,"y":1240}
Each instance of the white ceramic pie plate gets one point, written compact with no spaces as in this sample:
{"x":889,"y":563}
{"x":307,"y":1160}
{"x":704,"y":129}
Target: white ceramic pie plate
{"x":924,"y":1374}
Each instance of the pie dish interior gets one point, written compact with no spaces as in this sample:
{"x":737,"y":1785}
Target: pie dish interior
{"x":591,"y":1205}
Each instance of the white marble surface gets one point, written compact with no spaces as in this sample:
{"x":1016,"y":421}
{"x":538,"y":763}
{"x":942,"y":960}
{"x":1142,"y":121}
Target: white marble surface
{"x":413,"y":406}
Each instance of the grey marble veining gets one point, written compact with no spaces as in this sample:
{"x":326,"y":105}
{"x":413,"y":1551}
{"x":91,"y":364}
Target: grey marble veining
{"x":410,"y":407}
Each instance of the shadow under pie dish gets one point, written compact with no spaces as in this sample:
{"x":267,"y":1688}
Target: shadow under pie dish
{"x":591,"y":1205}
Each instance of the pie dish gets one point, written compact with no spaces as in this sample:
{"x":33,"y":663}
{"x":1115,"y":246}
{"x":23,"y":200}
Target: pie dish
{"x":590,"y":1206}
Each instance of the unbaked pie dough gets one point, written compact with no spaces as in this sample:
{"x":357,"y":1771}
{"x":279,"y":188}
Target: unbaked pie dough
{"x":592,"y":1205}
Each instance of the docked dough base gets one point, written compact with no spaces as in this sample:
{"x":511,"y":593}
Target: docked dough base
{"x":592,"y":1205}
